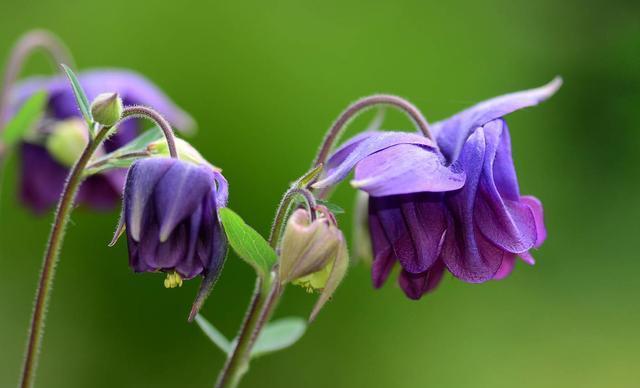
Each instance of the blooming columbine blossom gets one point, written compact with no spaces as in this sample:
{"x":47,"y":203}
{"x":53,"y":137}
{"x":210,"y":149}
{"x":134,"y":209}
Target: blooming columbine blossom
{"x":170,"y":214}
{"x":456,"y":206}
{"x":42,"y":176}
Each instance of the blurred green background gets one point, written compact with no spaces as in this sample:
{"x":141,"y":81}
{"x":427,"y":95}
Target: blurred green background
{"x":264,"y":80}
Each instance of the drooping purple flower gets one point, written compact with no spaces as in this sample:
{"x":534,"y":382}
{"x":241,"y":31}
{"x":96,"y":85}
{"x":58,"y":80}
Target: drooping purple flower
{"x":455,"y":207}
{"x":42,"y":177}
{"x":170,"y":214}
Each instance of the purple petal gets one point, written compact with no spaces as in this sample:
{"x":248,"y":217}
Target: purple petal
{"x":505,"y":268}
{"x":141,"y":182}
{"x":452,"y":133}
{"x":416,"y":285}
{"x":383,"y":256}
{"x":222,"y":190}
{"x":509,"y":224}
{"x":346,"y":157}
{"x":406,"y":169}
{"x":414,"y":226}
{"x":41,"y":178}
{"x":536,"y":208}
{"x":179,"y":193}
{"x":134,"y":89}
{"x":467,"y":254}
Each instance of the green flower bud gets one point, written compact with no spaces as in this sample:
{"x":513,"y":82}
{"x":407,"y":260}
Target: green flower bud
{"x":107,"y":108}
{"x":67,"y":140}
{"x":185,"y":150}
{"x":313,"y":255}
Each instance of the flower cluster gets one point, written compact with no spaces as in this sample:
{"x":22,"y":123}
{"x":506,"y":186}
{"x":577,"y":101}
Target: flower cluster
{"x":47,"y":155}
{"x":451,"y":203}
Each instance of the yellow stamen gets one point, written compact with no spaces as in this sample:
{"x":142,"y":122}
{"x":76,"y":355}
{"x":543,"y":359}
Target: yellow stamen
{"x":173,"y":280}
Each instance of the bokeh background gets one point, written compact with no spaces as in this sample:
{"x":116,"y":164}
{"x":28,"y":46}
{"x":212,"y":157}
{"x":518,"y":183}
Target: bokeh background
{"x":265,"y":79}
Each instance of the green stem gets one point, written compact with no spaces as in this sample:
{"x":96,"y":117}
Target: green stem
{"x":52,"y":253}
{"x":237,"y":363}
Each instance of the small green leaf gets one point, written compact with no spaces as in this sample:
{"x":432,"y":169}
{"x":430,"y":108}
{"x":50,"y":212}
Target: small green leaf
{"x":81,"y":97}
{"x":333,"y":208}
{"x":247,"y":243}
{"x":124,"y":156}
{"x":29,"y":113}
{"x":279,"y":335}
{"x":214,"y":334}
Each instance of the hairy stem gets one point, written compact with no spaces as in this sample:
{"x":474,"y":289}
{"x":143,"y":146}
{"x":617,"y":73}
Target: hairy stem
{"x":27,"y":44}
{"x":56,"y":236}
{"x":52,"y":253}
{"x":336,"y":129}
{"x":139,"y":111}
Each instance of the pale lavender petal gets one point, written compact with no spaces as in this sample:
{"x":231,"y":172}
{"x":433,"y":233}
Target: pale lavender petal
{"x":406,"y":169}
{"x":451,"y":133}
{"x":371,"y":144}
{"x":536,"y":207}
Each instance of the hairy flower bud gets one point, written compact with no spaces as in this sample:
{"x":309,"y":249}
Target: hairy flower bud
{"x":107,"y":108}
{"x":313,"y":255}
{"x":67,"y":140}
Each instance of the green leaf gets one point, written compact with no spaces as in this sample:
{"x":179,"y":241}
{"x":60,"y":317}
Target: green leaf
{"x":29,"y":113}
{"x":124,"y":156}
{"x":279,"y":335}
{"x":248,"y":243}
{"x":81,"y":97}
{"x":214,"y":334}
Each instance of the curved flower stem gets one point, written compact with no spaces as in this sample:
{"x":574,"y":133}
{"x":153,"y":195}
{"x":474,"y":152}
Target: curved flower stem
{"x":52,"y":252}
{"x":56,"y":236}
{"x":358,"y":107}
{"x":27,"y":44}
{"x":139,"y":111}
{"x":283,"y":211}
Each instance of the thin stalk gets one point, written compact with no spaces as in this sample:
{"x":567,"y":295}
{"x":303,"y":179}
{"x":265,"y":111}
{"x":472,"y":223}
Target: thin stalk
{"x":144,"y":112}
{"x":56,"y":237}
{"x":26,"y":45}
{"x":52,"y":253}
{"x":361,"y":105}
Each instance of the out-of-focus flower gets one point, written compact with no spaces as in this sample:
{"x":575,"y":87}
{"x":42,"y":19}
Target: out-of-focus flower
{"x":313,"y":254}
{"x":170,"y":215}
{"x":42,"y":175}
{"x":455,"y":206}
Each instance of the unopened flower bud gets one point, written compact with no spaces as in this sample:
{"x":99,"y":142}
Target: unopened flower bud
{"x":67,"y":140}
{"x":107,"y":108}
{"x":313,"y":255}
{"x":185,"y":150}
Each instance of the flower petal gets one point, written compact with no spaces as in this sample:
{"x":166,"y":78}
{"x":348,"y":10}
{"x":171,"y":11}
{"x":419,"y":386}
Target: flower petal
{"x":383,"y":256}
{"x":467,"y":253}
{"x":507,"y":223}
{"x":538,"y":215}
{"x":414,"y":226}
{"x":452,"y":133}
{"x":141,"y":181}
{"x":179,"y":193}
{"x":505,"y":268}
{"x":416,"y":285}
{"x":406,"y":169}
{"x":345,"y":158}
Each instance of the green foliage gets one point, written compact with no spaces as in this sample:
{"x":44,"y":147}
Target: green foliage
{"x":81,"y":97}
{"x":29,"y":113}
{"x":275,"y":336}
{"x":248,"y":244}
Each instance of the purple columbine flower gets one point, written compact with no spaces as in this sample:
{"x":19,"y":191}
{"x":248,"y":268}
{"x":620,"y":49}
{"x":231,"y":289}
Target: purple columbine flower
{"x":42,"y":176}
{"x":170,"y":214}
{"x":456,"y":206}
